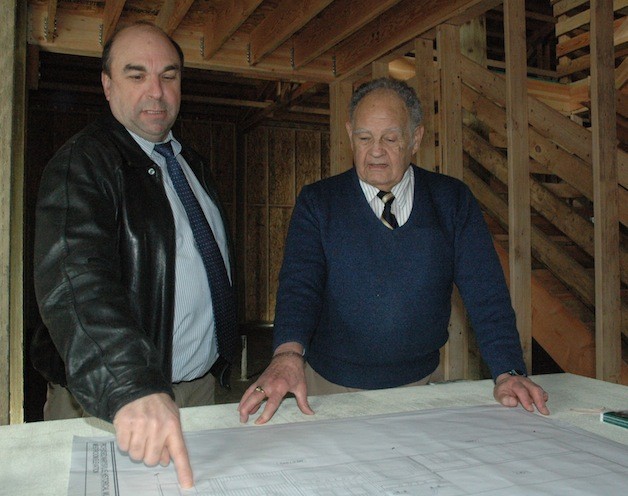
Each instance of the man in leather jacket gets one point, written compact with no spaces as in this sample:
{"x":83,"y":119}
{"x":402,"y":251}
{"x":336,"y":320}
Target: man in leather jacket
{"x":115,"y":285}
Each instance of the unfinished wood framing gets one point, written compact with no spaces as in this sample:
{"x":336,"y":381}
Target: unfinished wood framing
{"x":424,"y":86}
{"x":12,"y":114}
{"x":455,"y":355}
{"x":607,"y":299}
{"x":341,"y":156}
{"x":518,"y":172}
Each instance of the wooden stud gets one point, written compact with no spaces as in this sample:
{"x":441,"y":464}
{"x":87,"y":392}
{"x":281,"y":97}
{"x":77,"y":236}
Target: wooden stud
{"x":12,"y":139}
{"x":223,"y":20}
{"x":424,"y":86}
{"x":607,"y":295}
{"x":341,"y":157}
{"x":455,"y":356}
{"x":518,"y":172}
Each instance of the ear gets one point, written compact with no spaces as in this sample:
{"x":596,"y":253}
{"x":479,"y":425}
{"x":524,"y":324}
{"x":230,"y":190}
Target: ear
{"x":106,"y":84}
{"x":417,"y":137}
{"x":349,"y":128}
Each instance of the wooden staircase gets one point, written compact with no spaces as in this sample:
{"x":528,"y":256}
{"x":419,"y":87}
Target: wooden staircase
{"x":563,"y":290}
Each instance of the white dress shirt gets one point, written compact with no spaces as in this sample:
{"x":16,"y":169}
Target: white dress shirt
{"x":404,"y":197}
{"x":194,"y":346}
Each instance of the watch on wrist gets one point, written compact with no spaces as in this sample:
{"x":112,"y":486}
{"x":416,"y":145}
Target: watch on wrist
{"x":515,"y":372}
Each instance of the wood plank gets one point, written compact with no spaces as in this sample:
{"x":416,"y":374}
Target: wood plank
{"x":584,"y":18}
{"x":583,"y":40}
{"x":606,"y":227}
{"x":572,"y":137}
{"x":518,"y":172}
{"x":78,"y":35}
{"x":542,"y":198}
{"x":171,"y":14}
{"x":12,"y":142}
{"x":424,"y":86}
{"x":450,"y":105}
{"x":280,"y":24}
{"x":223,"y":20}
{"x":334,"y":24}
{"x":456,"y":354}
{"x":403,"y":22}
{"x":341,"y":156}
{"x":568,"y":340}
{"x":621,"y":74}
{"x":568,"y":167}
{"x":379,"y":69}
{"x":564,"y":6}
{"x":543,"y":248}
{"x":110,"y":18}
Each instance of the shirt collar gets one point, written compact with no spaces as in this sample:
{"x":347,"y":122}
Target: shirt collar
{"x":149,"y":146}
{"x":400,"y":190}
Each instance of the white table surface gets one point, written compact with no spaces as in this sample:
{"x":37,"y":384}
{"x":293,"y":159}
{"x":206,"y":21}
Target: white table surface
{"x":35,"y":457}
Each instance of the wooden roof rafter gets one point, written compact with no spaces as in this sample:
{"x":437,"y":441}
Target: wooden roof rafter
{"x":172,"y":13}
{"x":333,"y":25}
{"x":110,"y":18}
{"x":223,"y":20}
{"x":281,"y":24}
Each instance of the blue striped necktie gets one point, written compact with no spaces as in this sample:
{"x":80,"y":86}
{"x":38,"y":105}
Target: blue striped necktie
{"x":388,"y":218}
{"x":223,"y":299}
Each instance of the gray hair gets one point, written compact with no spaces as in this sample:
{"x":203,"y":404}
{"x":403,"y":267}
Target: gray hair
{"x":405,"y":92}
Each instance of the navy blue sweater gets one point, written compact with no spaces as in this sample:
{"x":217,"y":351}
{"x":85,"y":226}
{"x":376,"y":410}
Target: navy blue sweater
{"x":371,"y":305}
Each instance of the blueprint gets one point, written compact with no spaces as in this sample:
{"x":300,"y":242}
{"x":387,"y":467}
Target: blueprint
{"x":488,"y":450}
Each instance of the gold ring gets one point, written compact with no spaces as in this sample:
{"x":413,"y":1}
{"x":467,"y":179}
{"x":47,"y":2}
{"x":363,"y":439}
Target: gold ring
{"x":260,"y":389}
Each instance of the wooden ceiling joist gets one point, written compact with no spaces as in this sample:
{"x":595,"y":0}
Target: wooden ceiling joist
{"x":172,"y":13}
{"x":335,"y":23}
{"x":402,"y":23}
{"x":110,"y":18}
{"x":223,"y":20}
{"x":282,"y":23}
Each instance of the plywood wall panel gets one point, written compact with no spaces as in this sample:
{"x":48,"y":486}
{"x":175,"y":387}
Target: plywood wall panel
{"x":222,"y":155}
{"x":281,"y":167}
{"x":256,"y":167}
{"x":256,"y":265}
{"x":308,"y":158}
{"x":279,"y":220}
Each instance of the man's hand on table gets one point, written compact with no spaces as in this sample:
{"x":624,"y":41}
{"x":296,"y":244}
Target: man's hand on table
{"x":149,"y":430}
{"x":511,"y":390}
{"x":285,"y":374}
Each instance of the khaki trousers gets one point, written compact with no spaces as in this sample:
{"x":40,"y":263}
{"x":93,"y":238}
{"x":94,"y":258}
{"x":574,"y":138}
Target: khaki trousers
{"x":60,"y":404}
{"x":317,"y":384}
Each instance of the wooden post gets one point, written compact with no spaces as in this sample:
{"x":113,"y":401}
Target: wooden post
{"x":12,"y":114}
{"x":606,"y":227}
{"x":425,"y":77}
{"x":455,"y":359}
{"x":379,"y":69}
{"x":518,"y":172}
{"x":340,"y":146}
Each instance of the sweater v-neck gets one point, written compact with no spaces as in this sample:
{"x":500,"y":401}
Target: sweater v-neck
{"x":365,"y":208}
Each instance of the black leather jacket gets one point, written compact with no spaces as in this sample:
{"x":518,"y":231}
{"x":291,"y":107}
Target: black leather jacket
{"x":104,"y":268}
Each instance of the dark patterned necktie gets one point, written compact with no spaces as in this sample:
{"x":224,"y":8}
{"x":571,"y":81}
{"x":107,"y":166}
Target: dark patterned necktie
{"x":223,"y":299}
{"x":388,"y":218}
